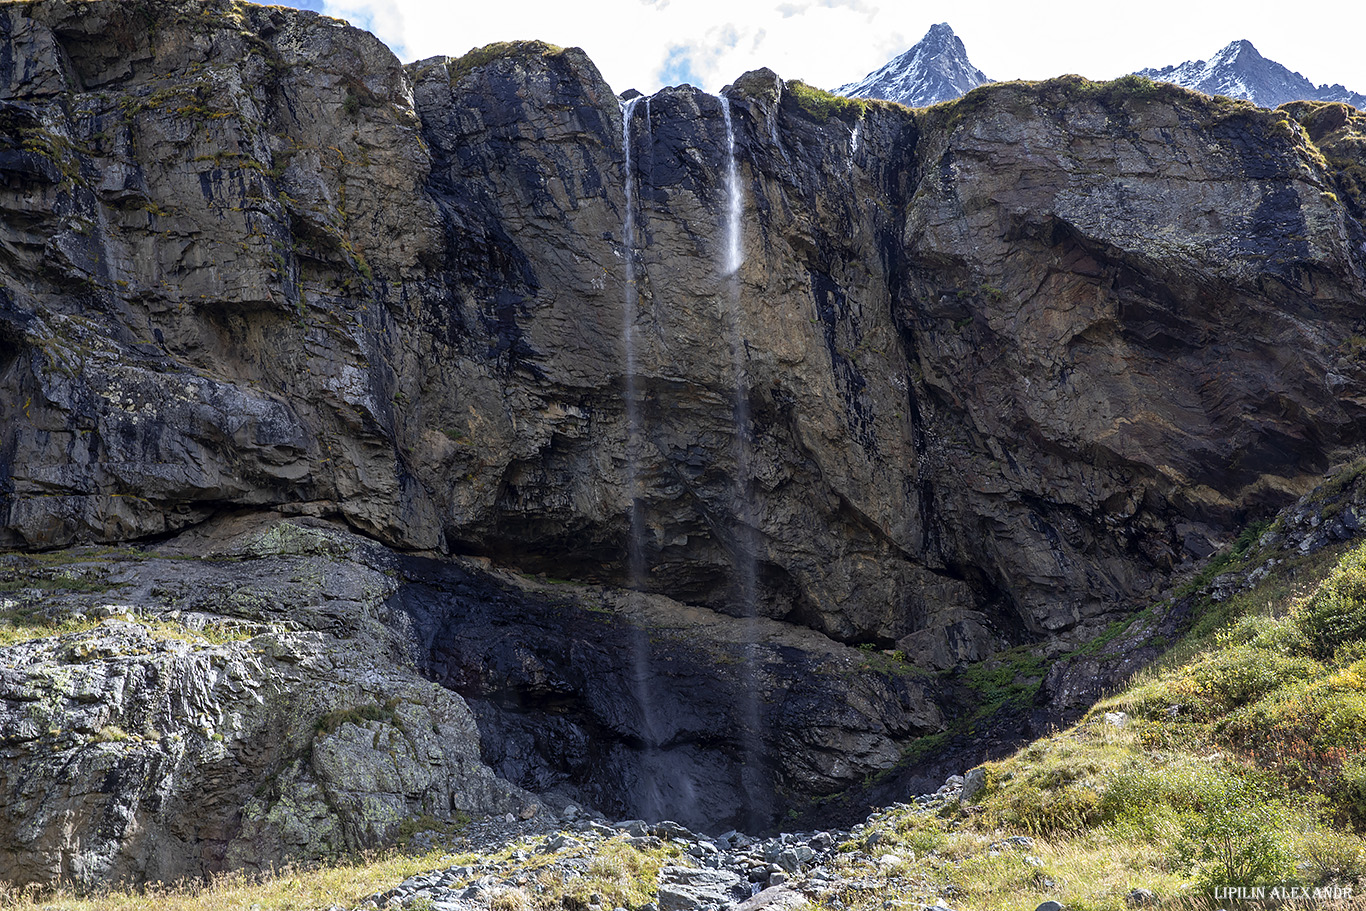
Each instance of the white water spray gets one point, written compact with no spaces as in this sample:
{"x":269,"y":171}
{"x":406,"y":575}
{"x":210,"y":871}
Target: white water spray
{"x":746,"y":525}
{"x":652,"y":803}
{"x":735,"y":203}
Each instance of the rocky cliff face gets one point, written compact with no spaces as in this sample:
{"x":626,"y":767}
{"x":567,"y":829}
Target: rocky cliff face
{"x":236,"y":701}
{"x":985,"y":374}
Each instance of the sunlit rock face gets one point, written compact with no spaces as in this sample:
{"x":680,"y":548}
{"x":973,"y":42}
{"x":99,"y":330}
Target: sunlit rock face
{"x":1004,"y":364}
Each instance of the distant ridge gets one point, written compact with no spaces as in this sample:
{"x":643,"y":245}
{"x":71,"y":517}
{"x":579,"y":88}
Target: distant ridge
{"x":1238,"y":71}
{"x":937,"y":69}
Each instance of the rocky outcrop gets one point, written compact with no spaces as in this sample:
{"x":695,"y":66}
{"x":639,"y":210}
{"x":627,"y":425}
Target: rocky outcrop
{"x":985,"y":375}
{"x":177,"y":715}
{"x":246,"y":696}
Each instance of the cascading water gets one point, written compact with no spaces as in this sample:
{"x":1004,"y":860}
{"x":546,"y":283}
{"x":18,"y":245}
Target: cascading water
{"x":746,"y":525}
{"x":651,"y":801}
{"x":630,"y":312}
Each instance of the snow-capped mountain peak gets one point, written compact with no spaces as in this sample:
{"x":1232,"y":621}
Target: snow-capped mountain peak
{"x":937,"y":69}
{"x":1239,"y":71}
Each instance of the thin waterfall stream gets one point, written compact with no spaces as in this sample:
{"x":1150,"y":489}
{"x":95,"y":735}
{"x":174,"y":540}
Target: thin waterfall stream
{"x":652,"y":798}
{"x":746,"y":524}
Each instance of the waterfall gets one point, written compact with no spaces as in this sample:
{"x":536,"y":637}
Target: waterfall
{"x":746,"y":524}
{"x":735,"y":206}
{"x":635,"y":548}
{"x":641,"y":682}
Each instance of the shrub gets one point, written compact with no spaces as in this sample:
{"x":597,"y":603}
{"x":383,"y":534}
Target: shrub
{"x":1236,"y":837}
{"x":1351,"y":789}
{"x":1243,"y":673}
{"x":1332,"y":857}
{"x":1336,"y":613}
{"x":1050,"y":811}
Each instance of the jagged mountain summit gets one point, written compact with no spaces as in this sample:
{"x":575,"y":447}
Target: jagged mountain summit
{"x":1239,"y":71}
{"x":937,"y":69}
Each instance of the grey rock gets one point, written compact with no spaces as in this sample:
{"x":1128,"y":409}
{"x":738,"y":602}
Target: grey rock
{"x":974,"y":782}
{"x":690,"y":888}
{"x":310,"y":742}
{"x":775,"y":898}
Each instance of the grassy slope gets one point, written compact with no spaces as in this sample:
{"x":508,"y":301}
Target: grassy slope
{"x":1241,"y":762}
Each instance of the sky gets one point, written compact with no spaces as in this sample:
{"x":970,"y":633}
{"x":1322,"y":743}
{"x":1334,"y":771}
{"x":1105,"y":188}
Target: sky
{"x":647,"y":44}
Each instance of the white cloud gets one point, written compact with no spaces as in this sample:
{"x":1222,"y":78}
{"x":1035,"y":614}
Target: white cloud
{"x":829,"y":42}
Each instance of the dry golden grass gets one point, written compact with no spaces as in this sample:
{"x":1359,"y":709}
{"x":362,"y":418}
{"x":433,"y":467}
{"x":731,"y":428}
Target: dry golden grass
{"x":345,"y":883}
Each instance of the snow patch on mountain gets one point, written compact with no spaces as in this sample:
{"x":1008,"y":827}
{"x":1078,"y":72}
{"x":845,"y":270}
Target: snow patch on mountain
{"x":1239,"y":71}
{"x":937,"y":69}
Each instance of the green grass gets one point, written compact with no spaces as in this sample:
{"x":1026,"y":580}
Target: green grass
{"x":345,"y":883}
{"x":1241,"y":764}
{"x":820,"y":105}
{"x":481,"y":56}
{"x":357,"y":715}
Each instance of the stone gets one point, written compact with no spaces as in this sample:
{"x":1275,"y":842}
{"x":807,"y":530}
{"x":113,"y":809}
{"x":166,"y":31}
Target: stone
{"x":311,"y":738}
{"x":690,"y":888}
{"x":775,"y":898}
{"x":974,"y":782}
{"x":1116,"y":719}
{"x":1049,"y":906}
{"x":1141,"y":898}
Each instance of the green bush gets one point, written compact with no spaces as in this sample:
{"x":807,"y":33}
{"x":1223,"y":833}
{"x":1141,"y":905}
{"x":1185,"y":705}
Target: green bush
{"x":1243,"y":673}
{"x":1351,"y":790}
{"x":1336,"y":614}
{"x":1237,"y":837}
{"x":1046,"y":811}
{"x":1332,"y":857}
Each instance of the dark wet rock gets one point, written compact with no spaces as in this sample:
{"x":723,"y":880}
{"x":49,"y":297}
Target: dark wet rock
{"x":558,"y":677}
